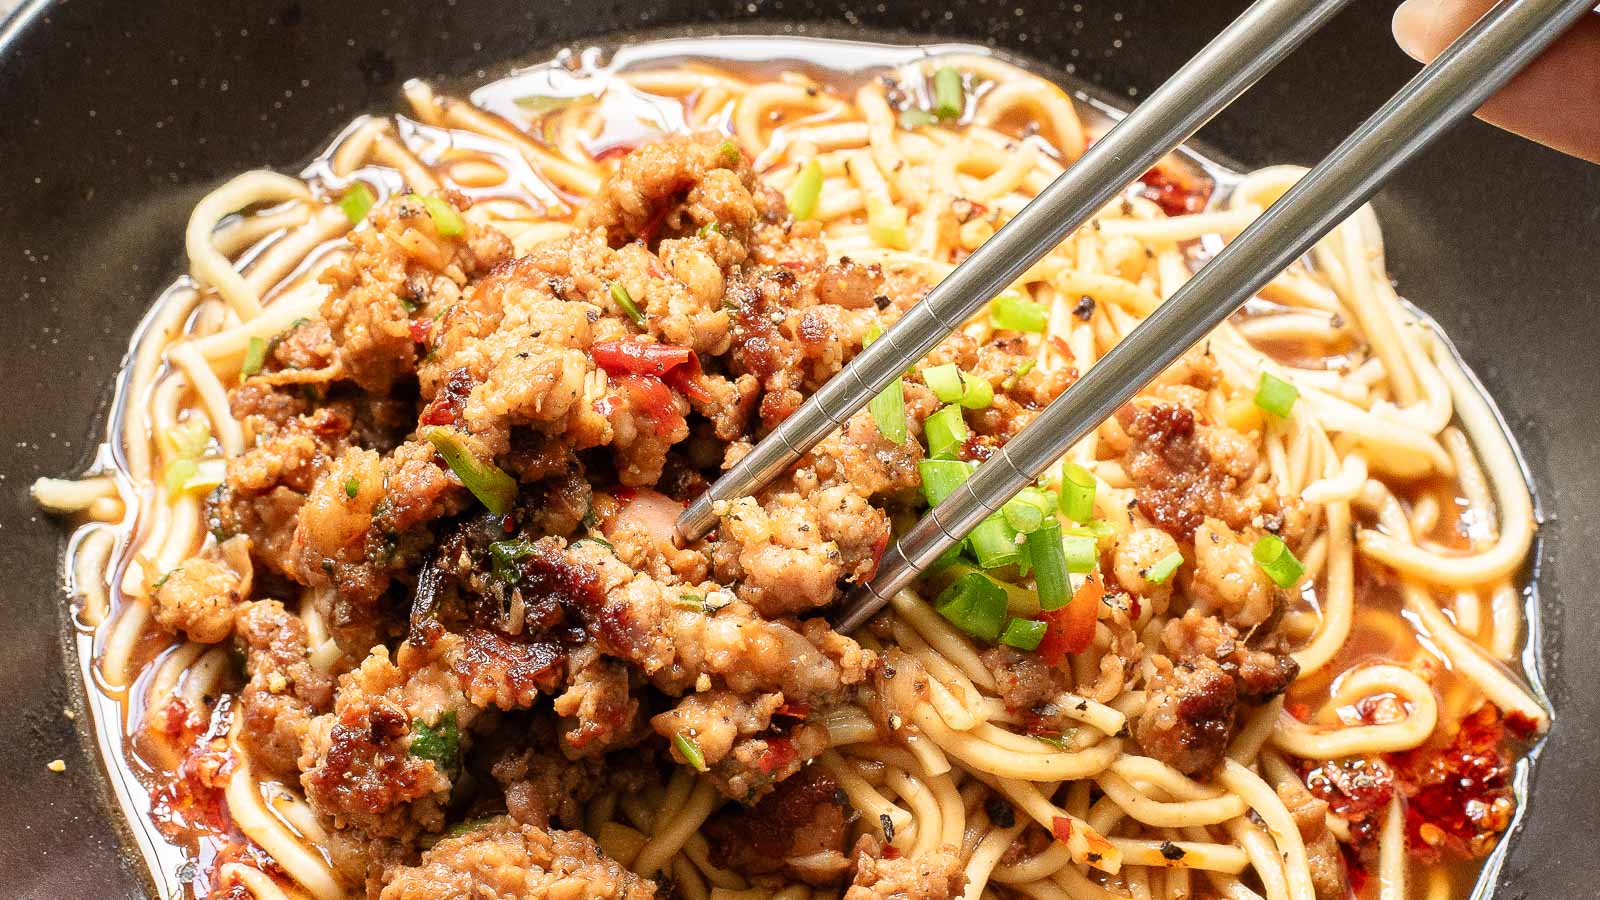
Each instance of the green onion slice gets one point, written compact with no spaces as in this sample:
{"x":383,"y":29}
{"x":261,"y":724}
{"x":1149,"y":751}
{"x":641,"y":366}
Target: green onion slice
{"x":944,"y":381}
{"x":1013,"y":312}
{"x":352,"y":487}
{"x":440,"y":742}
{"x":446,"y":220}
{"x":619,"y":293}
{"x":1077,"y":492}
{"x":994,"y":543}
{"x":974,"y":604}
{"x":1022,"y":515}
{"x":886,"y":225}
{"x":888,"y":410}
{"x":1047,"y":553}
{"x":491,"y":485}
{"x":914,"y":118}
{"x":689,"y":749}
{"x":1082,"y":553}
{"x":730,"y":153}
{"x":804,"y":192}
{"x":357,"y":202}
{"x":1024,"y":634}
{"x":976,"y":393}
{"x":941,"y":477}
{"x":1277,"y":560}
{"x":949,"y":97}
{"x":1164,"y":568}
{"x":946,"y":431}
{"x":255,"y":356}
{"x":1275,"y":395}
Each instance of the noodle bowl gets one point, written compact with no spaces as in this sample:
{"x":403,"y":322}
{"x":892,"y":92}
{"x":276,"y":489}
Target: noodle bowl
{"x":332,"y":662}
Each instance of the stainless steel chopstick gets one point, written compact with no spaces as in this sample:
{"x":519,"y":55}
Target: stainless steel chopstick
{"x":1483,"y":59}
{"x":1233,"y":61}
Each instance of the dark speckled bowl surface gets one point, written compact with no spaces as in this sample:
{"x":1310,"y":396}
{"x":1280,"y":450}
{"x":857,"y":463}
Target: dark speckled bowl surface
{"x":116,"y":116}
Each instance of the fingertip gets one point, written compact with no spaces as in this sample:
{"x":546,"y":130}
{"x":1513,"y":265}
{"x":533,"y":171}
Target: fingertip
{"x":1411,"y":27}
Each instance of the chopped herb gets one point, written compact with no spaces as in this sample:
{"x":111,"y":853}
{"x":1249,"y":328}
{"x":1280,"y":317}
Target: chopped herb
{"x":945,"y":431}
{"x":1013,"y":312}
{"x":888,"y":410}
{"x":503,"y":559}
{"x":255,"y":356}
{"x":1012,"y":380}
{"x":163,"y":579}
{"x":490,"y":484}
{"x":1278,"y":561}
{"x":446,"y":220}
{"x":352,"y":487}
{"x":944,"y":381}
{"x":1022,"y":515}
{"x":1275,"y":395}
{"x":1047,"y":555}
{"x":1082,"y":553}
{"x":804,"y":192}
{"x":886,"y":225}
{"x":1163,"y":569}
{"x":914,"y":118}
{"x":941,"y":477}
{"x":949,"y":97}
{"x":619,"y":293}
{"x":357,"y":202}
{"x":1055,"y":740}
{"x":1024,"y":634}
{"x":687,"y":748}
{"x":731,"y":154}
{"x":440,"y":742}
{"x":693,"y":602}
{"x":976,"y":393}
{"x":1077,"y":492}
{"x":994,"y":543}
{"x":975,"y":604}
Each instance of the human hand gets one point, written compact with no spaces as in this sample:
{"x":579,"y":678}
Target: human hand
{"x":1555,"y":101}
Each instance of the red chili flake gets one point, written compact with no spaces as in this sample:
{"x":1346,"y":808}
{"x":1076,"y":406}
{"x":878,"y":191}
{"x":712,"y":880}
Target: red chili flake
{"x":1173,"y":192}
{"x":1300,"y":711}
{"x":1458,"y":797}
{"x":651,"y":399}
{"x":420,"y":330}
{"x":977,"y":448}
{"x":779,"y":753}
{"x":1061,"y":827}
{"x":794,"y":710}
{"x":1072,"y":626}
{"x":1524,"y":726}
{"x":878,"y":548}
{"x":1061,"y":345}
{"x":890,"y":851}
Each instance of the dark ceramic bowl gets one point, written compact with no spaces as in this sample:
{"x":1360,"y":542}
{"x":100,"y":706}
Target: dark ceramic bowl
{"x":117,"y":115}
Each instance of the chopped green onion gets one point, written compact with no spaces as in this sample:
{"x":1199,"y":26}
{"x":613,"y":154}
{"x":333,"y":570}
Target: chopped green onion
{"x":730,"y":153}
{"x":178,"y":472}
{"x":1055,"y":740}
{"x":357,"y":202}
{"x":1023,"y":634}
{"x":1014,"y":312}
{"x":1077,"y":492}
{"x":976,"y":392}
{"x":1164,"y":567}
{"x":619,"y":293}
{"x":944,"y":381}
{"x":1277,"y":560}
{"x":886,"y":225}
{"x":440,"y":742}
{"x":804,"y":192}
{"x":888,"y":410}
{"x":949,"y":98}
{"x":1047,"y":553}
{"x":914,"y":118}
{"x":492,"y":486}
{"x":946,"y":431}
{"x":941,"y":477}
{"x":255,"y":356}
{"x":190,"y":439}
{"x":693,"y":602}
{"x":503,"y":559}
{"x":1015,"y":378}
{"x":689,"y":750}
{"x":208,"y":474}
{"x":1082,"y":553}
{"x":1022,"y":515}
{"x":1098,"y":529}
{"x":974,"y":604}
{"x":994,"y":543}
{"x":1275,"y":395}
{"x":352,"y":487}
{"x":446,"y":220}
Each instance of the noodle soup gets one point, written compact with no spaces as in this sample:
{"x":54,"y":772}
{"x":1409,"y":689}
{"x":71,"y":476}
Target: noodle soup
{"x":378,"y":595}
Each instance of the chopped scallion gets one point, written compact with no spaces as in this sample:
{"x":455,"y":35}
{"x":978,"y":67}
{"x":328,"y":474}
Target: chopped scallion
{"x":1082,"y":553}
{"x":178,"y":472}
{"x":619,"y":293}
{"x":255,"y":356}
{"x":1275,"y":395}
{"x":357,"y":202}
{"x":352,"y":487}
{"x":492,"y":486}
{"x":949,"y":97}
{"x":888,"y":410}
{"x":446,"y":220}
{"x":1164,"y":568}
{"x":941,"y":477}
{"x":976,"y":393}
{"x":1022,"y":515}
{"x":730,"y":153}
{"x":974,"y":604}
{"x":689,"y":749}
{"x":1023,"y":634}
{"x":994,"y":543}
{"x":946,"y":431}
{"x":944,"y":381}
{"x":1047,"y":553}
{"x":886,"y":225}
{"x":1077,"y":492}
{"x":914,"y":118}
{"x":804,"y":192}
{"x":1277,"y":560}
{"x":1014,"y":312}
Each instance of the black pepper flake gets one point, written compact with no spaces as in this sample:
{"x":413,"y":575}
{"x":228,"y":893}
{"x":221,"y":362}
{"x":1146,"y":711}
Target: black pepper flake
{"x":888,"y":673}
{"x":840,"y":798}
{"x":1171,"y":851}
{"x":1000,"y":812}
{"x":1085,"y":308}
{"x":1092,"y":857}
{"x":881,"y":301}
{"x":888,"y":826}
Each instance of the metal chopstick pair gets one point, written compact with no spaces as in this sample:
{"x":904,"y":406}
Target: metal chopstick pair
{"x":1483,"y":59}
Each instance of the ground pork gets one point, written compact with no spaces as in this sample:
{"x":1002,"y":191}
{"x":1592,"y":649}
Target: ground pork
{"x":1185,"y":471}
{"x":936,"y":875}
{"x":284,"y":692}
{"x":201,"y":595}
{"x":799,"y":830}
{"x":1188,"y":714}
{"x":1227,"y":578}
{"x":1260,"y":666}
{"x":508,"y":861}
